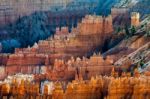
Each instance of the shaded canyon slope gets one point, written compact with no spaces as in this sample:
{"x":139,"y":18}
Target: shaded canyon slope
{"x":40,"y":23}
{"x":134,"y":49}
{"x":141,"y":6}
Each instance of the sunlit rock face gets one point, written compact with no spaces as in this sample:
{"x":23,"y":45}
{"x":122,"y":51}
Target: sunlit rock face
{"x":98,"y":87}
{"x":135,"y":19}
{"x":25,"y":63}
{"x":49,"y":14}
{"x":82,"y":41}
{"x":62,"y":70}
{"x":63,"y":67}
{"x":85,"y":38}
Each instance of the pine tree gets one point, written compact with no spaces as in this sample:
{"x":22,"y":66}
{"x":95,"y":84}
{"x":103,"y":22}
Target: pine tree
{"x":133,"y":31}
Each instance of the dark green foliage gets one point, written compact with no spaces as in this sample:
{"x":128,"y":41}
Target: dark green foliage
{"x":118,"y":29}
{"x":105,"y":6}
{"x":141,"y":63}
{"x":130,"y":32}
{"x":9,"y":45}
{"x":142,"y":26}
{"x":127,"y":31}
{"x":28,"y":30}
{"x":148,"y":34}
{"x":133,"y":31}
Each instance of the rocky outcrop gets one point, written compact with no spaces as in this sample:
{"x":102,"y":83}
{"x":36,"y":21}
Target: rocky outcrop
{"x":25,"y":63}
{"x":15,"y":9}
{"x":26,"y":59}
{"x":62,"y":70}
{"x":98,"y":87}
{"x":89,"y":34}
{"x":130,"y":44}
{"x":127,"y":46}
{"x":4,"y":59}
{"x":120,"y":16}
{"x":136,"y":56}
{"x":141,"y":6}
{"x":82,"y":41}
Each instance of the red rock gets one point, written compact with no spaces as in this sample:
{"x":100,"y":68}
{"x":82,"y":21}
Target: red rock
{"x":135,"y":19}
{"x":86,"y":37}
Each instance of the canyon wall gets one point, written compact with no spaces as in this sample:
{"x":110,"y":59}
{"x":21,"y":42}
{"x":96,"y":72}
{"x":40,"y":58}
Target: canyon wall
{"x":120,"y":16}
{"x":84,"y":39}
{"x":96,"y":65}
{"x":98,"y":87}
{"x":12,"y":10}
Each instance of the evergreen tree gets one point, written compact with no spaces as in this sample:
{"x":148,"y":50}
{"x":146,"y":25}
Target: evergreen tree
{"x":9,"y":45}
{"x":148,"y":34}
{"x":127,"y":31}
{"x":29,"y":29}
{"x":133,"y":31}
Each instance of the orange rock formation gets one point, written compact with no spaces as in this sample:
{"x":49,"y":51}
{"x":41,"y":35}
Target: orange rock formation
{"x":62,"y":70}
{"x":98,"y":87}
{"x":135,"y":19}
{"x":84,"y":39}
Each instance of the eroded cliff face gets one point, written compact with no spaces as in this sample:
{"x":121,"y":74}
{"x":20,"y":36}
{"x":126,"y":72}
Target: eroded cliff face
{"x":133,"y":42}
{"x":26,"y":17}
{"x":127,"y":46}
{"x":14,"y":9}
{"x":90,"y":34}
{"x":141,"y":6}
{"x":122,"y":10}
{"x":109,"y":87}
{"x":133,"y":51}
{"x":83,"y":40}
{"x":136,"y":56}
